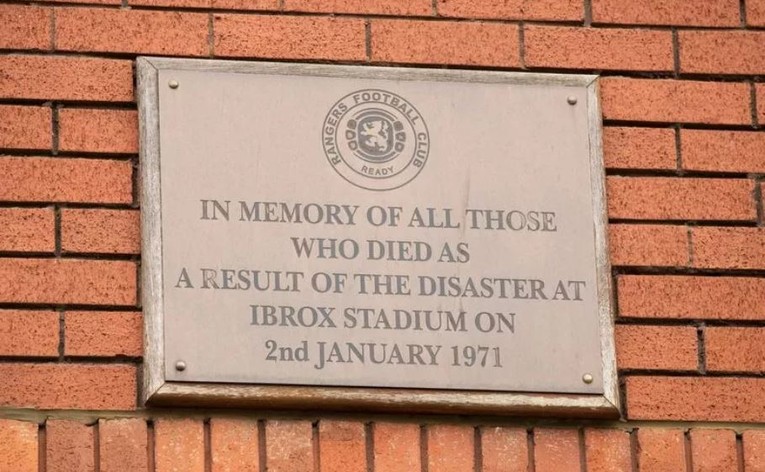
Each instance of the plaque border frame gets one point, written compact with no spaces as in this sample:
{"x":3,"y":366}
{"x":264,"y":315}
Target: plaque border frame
{"x":157,"y":391}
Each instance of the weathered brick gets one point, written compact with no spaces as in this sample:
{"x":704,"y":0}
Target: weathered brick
{"x":598,"y":48}
{"x":62,"y":281}
{"x":28,"y":333}
{"x":556,"y":450}
{"x":342,"y":446}
{"x":290,"y":37}
{"x":445,"y":42}
{"x":682,"y":101}
{"x":504,"y":449}
{"x":66,"y":78}
{"x":728,"y":247}
{"x":722,"y":52}
{"x":450,"y":448}
{"x":234,"y":445}
{"x":93,"y":130}
{"x":123,"y":444}
{"x":661,"y":449}
{"x":639,"y":148}
{"x":132,"y":31}
{"x":735,"y":349}
{"x":713,"y":450}
{"x":680,"y":199}
{"x":69,"y":446}
{"x":560,"y":10}
{"x":103,"y":333}
{"x":691,"y":297}
{"x":244,"y":4}
{"x":18,"y":446}
{"x":607,"y":450}
{"x":755,"y":12}
{"x":656,"y":347}
{"x":25,"y":27}
{"x":648,"y":245}
{"x":396,"y":447}
{"x":100,"y":231}
{"x":68,"y":386}
{"x":43,"y":179}
{"x":754,"y":450}
{"x":173,"y":3}
{"x":289,"y":446}
{"x":24,"y":127}
{"x":696,"y":399}
{"x":27,"y":230}
{"x":722,"y":151}
{"x":760,"y":91}
{"x":179,"y":445}
{"x":667,"y":12}
{"x":95,"y":2}
{"x":380,"y":7}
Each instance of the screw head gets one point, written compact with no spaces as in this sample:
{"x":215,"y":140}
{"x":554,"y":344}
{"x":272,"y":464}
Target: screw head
{"x":180,"y":366}
{"x":571,"y":100}
{"x":587,"y":378}
{"x":173,"y":84}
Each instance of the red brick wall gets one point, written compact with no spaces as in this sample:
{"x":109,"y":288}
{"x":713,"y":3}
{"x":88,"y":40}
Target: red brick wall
{"x":683,"y":94}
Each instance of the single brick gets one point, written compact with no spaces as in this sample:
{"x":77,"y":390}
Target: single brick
{"x":62,"y":281}
{"x":179,"y":445}
{"x":754,"y":450}
{"x":648,"y":245}
{"x":396,"y":447}
{"x":25,"y":27}
{"x":656,"y":347}
{"x":69,"y":446}
{"x":379,"y":7}
{"x":598,"y":48}
{"x":691,"y":297}
{"x":290,"y":37}
{"x":504,"y":449}
{"x":289,"y":446}
{"x":684,"y":101}
{"x":722,"y":52}
{"x":97,"y":2}
{"x":132,"y":31}
{"x":723,"y":151}
{"x":445,"y":42}
{"x":713,"y":450}
{"x":728,"y":248}
{"x":100,"y":231}
{"x":556,"y":450}
{"x":27,"y":230}
{"x":760,"y":91}
{"x":639,"y":148}
{"x":28,"y":333}
{"x":680,"y":199}
{"x":667,"y":12}
{"x":24,"y":127}
{"x":244,"y":4}
{"x":103,"y":333}
{"x":560,"y":10}
{"x":342,"y":445}
{"x":755,"y":16}
{"x":450,"y":448}
{"x":45,"y":179}
{"x":607,"y":450}
{"x":66,"y":78}
{"x":92,"y":130}
{"x":696,"y":399}
{"x":661,"y":449}
{"x":735,"y":349}
{"x":123,"y":444}
{"x":234,"y":445}
{"x":18,"y":446}
{"x":172,"y":3}
{"x":68,"y":386}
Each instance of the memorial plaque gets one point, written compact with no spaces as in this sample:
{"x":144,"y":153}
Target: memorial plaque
{"x":424,"y":240}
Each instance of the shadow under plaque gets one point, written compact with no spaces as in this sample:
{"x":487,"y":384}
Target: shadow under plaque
{"x":389,"y":239}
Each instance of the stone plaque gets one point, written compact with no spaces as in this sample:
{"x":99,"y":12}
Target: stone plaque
{"x":333,"y":231}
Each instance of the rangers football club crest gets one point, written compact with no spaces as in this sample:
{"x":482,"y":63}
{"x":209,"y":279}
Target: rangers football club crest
{"x":375,"y":139}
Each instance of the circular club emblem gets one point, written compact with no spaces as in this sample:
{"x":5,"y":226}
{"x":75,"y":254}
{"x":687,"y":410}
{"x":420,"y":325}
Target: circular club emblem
{"x":375,"y":139}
